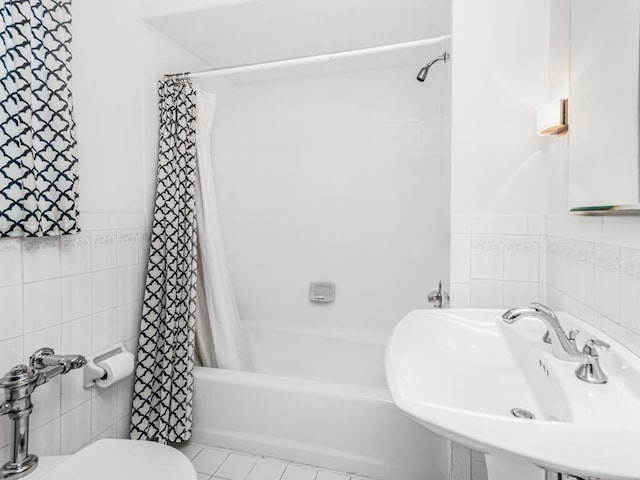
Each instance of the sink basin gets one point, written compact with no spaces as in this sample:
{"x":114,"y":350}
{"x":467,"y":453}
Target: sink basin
{"x":461,"y":372}
{"x":117,"y":459}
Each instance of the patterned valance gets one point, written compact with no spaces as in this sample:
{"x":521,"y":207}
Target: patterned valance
{"x":38,"y":163}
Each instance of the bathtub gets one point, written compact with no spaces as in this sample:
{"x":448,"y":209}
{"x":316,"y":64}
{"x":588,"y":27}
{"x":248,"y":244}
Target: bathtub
{"x":318,"y":396}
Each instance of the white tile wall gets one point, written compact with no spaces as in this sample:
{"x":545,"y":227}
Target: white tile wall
{"x":76,"y":294}
{"x":587,"y":266}
{"x":368,"y":182}
{"x":496,"y":261}
{"x":593,"y":271}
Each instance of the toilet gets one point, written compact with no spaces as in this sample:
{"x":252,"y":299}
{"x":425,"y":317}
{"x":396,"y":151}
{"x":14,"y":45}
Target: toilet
{"x":122,"y":459}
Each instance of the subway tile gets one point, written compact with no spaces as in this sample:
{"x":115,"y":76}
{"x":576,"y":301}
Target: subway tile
{"x":76,"y":296}
{"x":125,"y":396}
{"x":46,"y":403}
{"x":144,"y":242}
{"x":582,"y":277}
{"x":460,"y":258}
{"x":111,"y":432}
{"x":76,"y":338}
{"x":559,"y":263}
{"x":104,"y":290}
{"x":92,"y":221}
{"x":631,"y":340}
{"x":48,"y":337}
{"x":536,"y":225}
{"x":75,"y":427}
{"x":585,"y":228}
{"x":520,"y":293}
{"x":123,"y":428}
{"x":581,"y":310}
{"x":459,"y":296}
{"x":42,"y":307}
{"x":11,"y":354}
{"x":104,"y":329}
{"x":522,"y":258}
{"x":128,"y":248}
{"x":129,"y":321}
{"x":126,"y":220}
{"x":11,"y":313}
{"x":103,"y":411}
{"x":621,"y":231}
{"x":487,"y":257}
{"x":75,"y":254}
{"x":10,"y":261}
{"x":104,"y":254}
{"x":630,"y":291}
{"x":608,"y":326}
{"x":607,"y":281}
{"x":129,"y":284}
{"x":460,"y":224}
{"x":557,"y":225}
{"x":41,"y":258}
{"x":45,"y":440}
{"x":486,"y":294}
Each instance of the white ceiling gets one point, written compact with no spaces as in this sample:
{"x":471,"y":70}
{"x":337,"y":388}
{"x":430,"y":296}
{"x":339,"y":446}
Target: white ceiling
{"x":227,"y":33}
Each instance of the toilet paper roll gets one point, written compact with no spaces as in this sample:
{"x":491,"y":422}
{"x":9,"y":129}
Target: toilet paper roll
{"x":116,"y":368}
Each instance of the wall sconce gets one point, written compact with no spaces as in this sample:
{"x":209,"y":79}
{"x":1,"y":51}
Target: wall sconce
{"x":553,"y":118}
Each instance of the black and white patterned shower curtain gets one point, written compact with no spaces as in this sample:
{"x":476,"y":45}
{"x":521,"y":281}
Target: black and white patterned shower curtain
{"x":163,"y":389}
{"x":38,"y":163}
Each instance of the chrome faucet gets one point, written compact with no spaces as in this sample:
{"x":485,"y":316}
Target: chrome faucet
{"x":18,"y":386}
{"x":439,"y":298}
{"x":563,"y":345}
{"x":590,"y":370}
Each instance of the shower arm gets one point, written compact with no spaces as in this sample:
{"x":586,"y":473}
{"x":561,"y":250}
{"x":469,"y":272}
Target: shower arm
{"x":424,"y":71}
{"x":440,"y":58}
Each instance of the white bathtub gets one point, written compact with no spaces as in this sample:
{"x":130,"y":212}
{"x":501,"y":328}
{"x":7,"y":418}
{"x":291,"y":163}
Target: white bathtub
{"x":318,"y":396}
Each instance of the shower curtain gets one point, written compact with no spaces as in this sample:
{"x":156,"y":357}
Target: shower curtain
{"x":219,"y":337}
{"x":188,"y":288}
{"x":163,"y":388}
{"x":38,"y":163}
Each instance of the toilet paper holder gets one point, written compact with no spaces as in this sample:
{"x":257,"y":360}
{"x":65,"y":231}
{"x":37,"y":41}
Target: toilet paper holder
{"x":93,"y":371}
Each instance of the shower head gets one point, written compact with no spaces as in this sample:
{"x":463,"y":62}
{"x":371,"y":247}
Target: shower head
{"x":422,"y":75}
{"x":424,"y":71}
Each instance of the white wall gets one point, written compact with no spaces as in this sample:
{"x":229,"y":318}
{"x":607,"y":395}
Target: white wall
{"x":81,"y":293}
{"x":587,"y":266}
{"x":334,"y":177}
{"x":500,"y":70}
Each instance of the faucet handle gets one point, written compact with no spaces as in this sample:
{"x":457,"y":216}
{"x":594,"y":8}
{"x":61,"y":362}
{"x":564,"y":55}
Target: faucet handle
{"x":573,"y":334}
{"x":593,"y":347}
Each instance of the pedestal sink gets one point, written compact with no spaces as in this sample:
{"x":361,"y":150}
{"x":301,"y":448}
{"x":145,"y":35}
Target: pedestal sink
{"x":461,"y":374}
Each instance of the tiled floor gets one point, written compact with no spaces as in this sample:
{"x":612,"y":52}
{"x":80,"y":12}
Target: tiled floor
{"x":218,"y":464}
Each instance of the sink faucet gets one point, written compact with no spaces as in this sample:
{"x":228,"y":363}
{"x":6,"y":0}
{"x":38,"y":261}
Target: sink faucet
{"x":563,"y":345}
{"x":18,"y":386}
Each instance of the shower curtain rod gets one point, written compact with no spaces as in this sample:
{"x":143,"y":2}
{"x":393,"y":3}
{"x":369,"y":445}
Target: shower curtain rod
{"x":313,"y":59}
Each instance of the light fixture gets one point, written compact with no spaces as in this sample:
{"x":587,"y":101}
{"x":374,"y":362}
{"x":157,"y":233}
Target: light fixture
{"x":553,"y":118}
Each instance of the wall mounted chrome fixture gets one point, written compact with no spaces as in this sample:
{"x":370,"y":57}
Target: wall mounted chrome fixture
{"x":424,"y":71}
